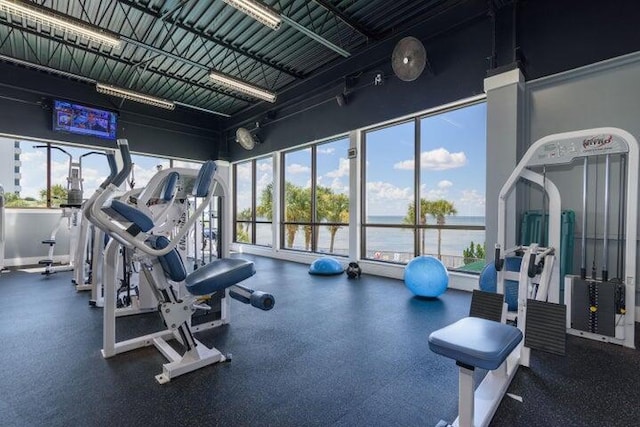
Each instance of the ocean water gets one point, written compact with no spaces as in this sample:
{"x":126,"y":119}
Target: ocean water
{"x":394,"y":243}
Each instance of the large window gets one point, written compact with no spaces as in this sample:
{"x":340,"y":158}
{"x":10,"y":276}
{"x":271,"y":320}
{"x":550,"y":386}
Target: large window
{"x":253,"y":208}
{"x":389,"y":192}
{"x":244,"y":202}
{"x":93,"y":168}
{"x":35,"y":174}
{"x":424,"y":189}
{"x":315,"y":198}
{"x":30,"y":189}
{"x":296,"y":200}
{"x":332,"y":197}
{"x":144,"y":167}
{"x":264,"y":202}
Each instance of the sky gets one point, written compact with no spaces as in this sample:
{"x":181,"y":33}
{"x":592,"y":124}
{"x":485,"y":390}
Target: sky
{"x":94,"y":168}
{"x":452,"y":158}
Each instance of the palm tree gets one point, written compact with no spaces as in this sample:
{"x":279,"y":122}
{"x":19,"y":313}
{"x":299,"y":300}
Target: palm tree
{"x":334,"y":208}
{"x":439,"y":209}
{"x":425,"y":207}
{"x":242,"y":229}
{"x":297,"y":209}
{"x":265,"y":207}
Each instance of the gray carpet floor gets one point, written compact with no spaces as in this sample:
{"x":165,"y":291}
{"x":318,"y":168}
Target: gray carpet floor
{"x":333,"y":352}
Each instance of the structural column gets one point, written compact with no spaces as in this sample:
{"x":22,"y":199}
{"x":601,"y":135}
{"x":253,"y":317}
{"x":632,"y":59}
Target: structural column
{"x":505,"y":145}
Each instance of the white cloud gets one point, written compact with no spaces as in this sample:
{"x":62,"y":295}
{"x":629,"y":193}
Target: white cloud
{"x":264,"y":166}
{"x":437,"y":160}
{"x":243,"y":171}
{"x":471,"y":202}
{"x":263,"y":180}
{"x":440,"y":192}
{"x":343,"y":169}
{"x":329,"y":150}
{"x":338,"y":186}
{"x":384,"y":198}
{"x":186,"y":164}
{"x":34,"y":173}
{"x":296,"y":168}
{"x":472,"y":197}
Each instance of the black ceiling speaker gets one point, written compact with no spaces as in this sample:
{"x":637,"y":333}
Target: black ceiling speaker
{"x":341,"y":99}
{"x":408,"y":59}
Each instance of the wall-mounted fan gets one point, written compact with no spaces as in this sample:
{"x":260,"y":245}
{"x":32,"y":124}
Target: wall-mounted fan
{"x":408,"y":59}
{"x":247,"y":138}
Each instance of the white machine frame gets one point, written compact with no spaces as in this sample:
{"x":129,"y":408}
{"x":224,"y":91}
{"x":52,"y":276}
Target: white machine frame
{"x":199,"y":355}
{"x":477,"y":408}
{"x":562,"y":149}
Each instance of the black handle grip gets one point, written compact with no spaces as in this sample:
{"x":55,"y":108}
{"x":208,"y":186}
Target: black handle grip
{"x":497,"y":261}
{"x":533,"y":268}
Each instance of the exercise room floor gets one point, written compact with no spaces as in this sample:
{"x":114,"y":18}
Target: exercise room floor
{"x":333,"y":352}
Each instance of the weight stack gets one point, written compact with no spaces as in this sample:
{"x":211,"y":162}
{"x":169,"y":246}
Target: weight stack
{"x":594,"y":306}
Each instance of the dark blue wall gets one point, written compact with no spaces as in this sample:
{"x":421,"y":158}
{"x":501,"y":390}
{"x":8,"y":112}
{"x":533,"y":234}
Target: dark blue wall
{"x":551,"y":36}
{"x":25,"y":99}
{"x":459,"y":66}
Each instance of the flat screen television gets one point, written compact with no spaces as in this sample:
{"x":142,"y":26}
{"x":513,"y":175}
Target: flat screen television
{"x":84,"y":120}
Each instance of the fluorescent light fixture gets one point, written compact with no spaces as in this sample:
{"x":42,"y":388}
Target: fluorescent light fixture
{"x":240,"y":86}
{"x":134,"y":96}
{"x":257,"y":11}
{"x":42,"y":16}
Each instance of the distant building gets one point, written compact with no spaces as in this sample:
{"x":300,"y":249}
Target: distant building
{"x":10,"y":174}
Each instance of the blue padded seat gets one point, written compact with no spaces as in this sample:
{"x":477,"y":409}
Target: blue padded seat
{"x":131,"y":214}
{"x":171,"y":262}
{"x":170,"y":186}
{"x":219,"y":275}
{"x":476,"y":342}
{"x":203,"y":180}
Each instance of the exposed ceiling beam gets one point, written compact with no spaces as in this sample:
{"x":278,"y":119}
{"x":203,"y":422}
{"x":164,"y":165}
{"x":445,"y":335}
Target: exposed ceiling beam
{"x":347,"y":20}
{"x":315,"y":36}
{"x":199,"y":33}
{"x":120,"y":60}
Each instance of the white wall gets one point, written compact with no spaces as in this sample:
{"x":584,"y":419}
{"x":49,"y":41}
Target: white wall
{"x":26,"y":229}
{"x":602,"y":94}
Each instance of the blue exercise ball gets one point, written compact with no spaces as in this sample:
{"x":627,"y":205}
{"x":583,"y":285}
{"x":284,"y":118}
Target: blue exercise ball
{"x":489,"y":281}
{"x":326,"y":266}
{"x":426,"y":276}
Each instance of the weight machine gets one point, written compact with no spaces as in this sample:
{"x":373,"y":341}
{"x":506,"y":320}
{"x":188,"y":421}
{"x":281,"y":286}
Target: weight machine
{"x":70,"y":212}
{"x":501,"y":348}
{"x":130,"y":225}
{"x":596,"y":307}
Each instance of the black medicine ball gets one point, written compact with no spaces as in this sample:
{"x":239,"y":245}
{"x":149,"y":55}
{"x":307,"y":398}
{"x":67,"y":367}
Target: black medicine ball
{"x":353,"y":270}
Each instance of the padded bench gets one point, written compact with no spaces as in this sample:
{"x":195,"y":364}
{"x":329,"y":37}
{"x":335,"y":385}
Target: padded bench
{"x":474,"y":343}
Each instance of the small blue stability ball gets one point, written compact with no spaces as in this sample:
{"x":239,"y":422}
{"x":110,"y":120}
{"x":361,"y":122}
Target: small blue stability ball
{"x":326,"y":266}
{"x":426,"y":276}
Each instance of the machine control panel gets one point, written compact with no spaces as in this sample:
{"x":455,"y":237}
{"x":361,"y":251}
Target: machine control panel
{"x":566,"y":150}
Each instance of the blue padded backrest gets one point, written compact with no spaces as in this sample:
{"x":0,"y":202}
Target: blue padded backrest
{"x":171,"y":263}
{"x":132,"y":214}
{"x":170,"y":186}
{"x":203,"y":181}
